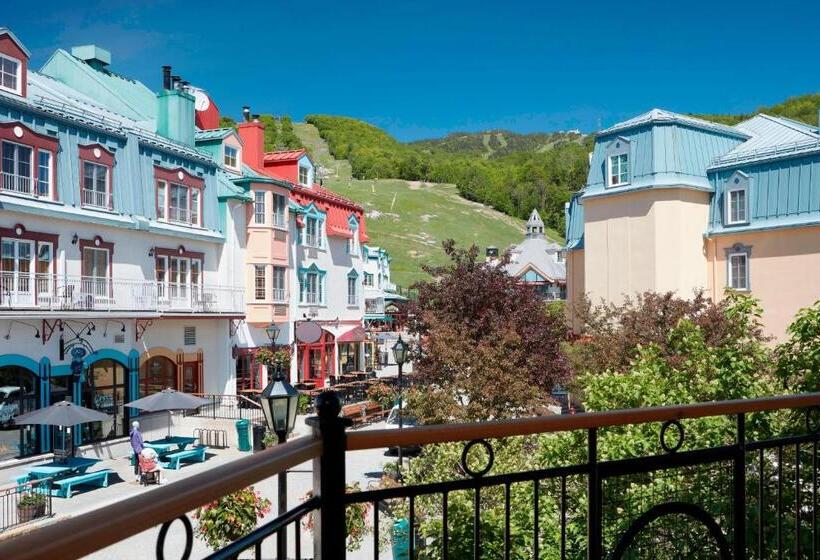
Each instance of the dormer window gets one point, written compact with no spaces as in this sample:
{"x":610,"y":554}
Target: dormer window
{"x":737,"y":199}
{"x":304,"y":176}
{"x":96,"y":164}
{"x":10,"y":74}
{"x":28,"y":164}
{"x":231,"y":157}
{"x":179,"y":196}
{"x":617,"y":163}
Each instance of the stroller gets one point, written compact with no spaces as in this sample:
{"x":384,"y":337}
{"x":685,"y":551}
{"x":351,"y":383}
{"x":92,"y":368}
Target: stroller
{"x":149,"y":467}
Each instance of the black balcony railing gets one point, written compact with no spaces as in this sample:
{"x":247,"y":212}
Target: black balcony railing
{"x":228,"y":407}
{"x":743,"y":498}
{"x":24,"y":502}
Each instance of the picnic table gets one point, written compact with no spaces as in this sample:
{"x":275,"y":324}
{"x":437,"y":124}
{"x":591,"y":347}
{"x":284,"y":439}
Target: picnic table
{"x":72,"y":465}
{"x":166,"y":445}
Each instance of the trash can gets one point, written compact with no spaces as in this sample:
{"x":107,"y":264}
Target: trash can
{"x":258,"y":437}
{"x":401,"y":540}
{"x":242,"y":436}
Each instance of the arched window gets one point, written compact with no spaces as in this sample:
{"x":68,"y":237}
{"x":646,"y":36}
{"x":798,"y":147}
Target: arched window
{"x":19,"y":393}
{"x":156,"y":374}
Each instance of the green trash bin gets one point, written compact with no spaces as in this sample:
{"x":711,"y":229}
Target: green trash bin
{"x":401,"y":540}
{"x":243,"y":435}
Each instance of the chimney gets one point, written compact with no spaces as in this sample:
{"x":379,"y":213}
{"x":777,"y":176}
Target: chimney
{"x":166,"y":77}
{"x":176,"y":114}
{"x":252,"y":133}
{"x":175,"y":82}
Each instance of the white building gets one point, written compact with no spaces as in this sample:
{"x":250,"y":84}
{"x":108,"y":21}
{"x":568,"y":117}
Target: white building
{"x":539,"y":262}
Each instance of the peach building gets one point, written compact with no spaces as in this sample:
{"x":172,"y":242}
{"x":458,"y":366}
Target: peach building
{"x":675,"y":203}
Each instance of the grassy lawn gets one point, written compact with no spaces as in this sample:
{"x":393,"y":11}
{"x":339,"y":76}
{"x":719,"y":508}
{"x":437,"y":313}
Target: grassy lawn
{"x":411,"y":220}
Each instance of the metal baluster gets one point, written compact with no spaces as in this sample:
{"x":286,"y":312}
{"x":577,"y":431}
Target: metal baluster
{"x":780,"y":502}
{"x":563,"y":518}
{"x":739,"y":478}
{"x":445,"y":553}
{"x":814,"y":501}
{"x":535,"y":528}
{"x":797,"y":501}
{"x":760,"y":506}
{"x":376,"y":530}
{"x":477,"y":523}
{"x":410,"y":530}
{"x":507,"y":536}
{"x":297,"y":538}
{"x":257,"y":550}
{"x":594,"y":551}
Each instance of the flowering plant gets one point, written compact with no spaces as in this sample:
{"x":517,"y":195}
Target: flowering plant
{"x":230,"y":517}
{"x":356,"y":526}
{"x":381,"y":394}
{"x":278,"y":357}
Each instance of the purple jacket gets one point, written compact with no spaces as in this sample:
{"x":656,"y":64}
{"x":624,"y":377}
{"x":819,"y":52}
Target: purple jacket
{"x":136,"y":441}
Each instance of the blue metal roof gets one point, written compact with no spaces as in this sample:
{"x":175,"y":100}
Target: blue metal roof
{"x":574,"y":230}
{"x":212,"y":134}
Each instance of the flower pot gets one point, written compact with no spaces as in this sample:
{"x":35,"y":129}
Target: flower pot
{"x":28,"y":512}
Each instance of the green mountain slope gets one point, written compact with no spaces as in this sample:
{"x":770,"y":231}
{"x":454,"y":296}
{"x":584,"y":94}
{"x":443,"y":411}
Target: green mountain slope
{"x":496,"y":143}
{"x":411,"y":218}
{"x":800,"y":108}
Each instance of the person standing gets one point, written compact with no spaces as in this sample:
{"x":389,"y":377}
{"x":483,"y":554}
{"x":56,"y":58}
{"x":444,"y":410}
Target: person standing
{"x":137,"y":446}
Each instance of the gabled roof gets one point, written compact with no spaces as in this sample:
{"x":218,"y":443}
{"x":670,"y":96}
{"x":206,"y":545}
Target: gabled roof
{"x":290,"y":155}
{"x":537,"y":253}
{"x":663,"y":116}
{"x":18,"y":42}
{"x":213,"y":134}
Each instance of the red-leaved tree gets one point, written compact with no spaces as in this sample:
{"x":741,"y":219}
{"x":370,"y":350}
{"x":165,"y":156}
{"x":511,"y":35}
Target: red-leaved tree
{"x":488,"y":347}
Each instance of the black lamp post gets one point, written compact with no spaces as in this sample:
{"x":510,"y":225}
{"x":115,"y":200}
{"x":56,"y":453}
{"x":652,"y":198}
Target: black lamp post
{"x":280,"y":401}
{"x":400,"y":351}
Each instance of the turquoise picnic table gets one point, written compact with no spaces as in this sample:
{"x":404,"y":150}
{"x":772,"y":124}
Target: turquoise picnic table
{"x":166,"y":445}
{"x":72,"y":465}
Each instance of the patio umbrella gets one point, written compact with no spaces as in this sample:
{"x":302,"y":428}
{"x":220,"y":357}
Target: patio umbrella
{"x":63,"y":413}
{"x":168,"y":400}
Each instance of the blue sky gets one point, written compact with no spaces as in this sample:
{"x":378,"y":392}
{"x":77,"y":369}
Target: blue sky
{"x":420,"y":68}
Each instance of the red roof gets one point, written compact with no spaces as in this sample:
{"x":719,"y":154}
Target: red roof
{"x":337,"y":208}
{"x":356,"y":334}
{"x":291,"y":155}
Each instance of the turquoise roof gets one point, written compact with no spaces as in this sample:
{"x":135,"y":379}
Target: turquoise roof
{"x":574,"y":229}
{"x":212,"y":134}
{"x":665,"y":150}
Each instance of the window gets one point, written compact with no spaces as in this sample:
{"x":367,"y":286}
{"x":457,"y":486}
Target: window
{"x":179,"y":203}
{"x":737,"y":208}
{"x":162,"y":199}
{"x":95,"y":185}
{"x":189,"y":336}
{"x":618,"y":170}
{"x":739,"y":271}
{"x":43,"y":173}
{"x":311,"y":287}
{"x":559,"y":257}
{"x":231,"y":157}
{"x":304,"y":176}
{"x":312,"y":232}
{"x":352,"y":289}
{"x":16,"y":267}
{"x":353,"y":244}
{"x":95,"y":270}
{"x":10,"y":78}
{"x":178,"y":277}
{"x":368,"y":279}
{"x":259,"y":207}
{"x":17,"y":168}
{"x":279,"y":283}
{"x":279,"y":204}
{"x":259,"y":291}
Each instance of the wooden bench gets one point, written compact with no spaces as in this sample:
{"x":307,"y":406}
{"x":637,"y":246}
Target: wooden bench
{"x":173,"y":459}
{"x":362,"y":412}
{"x":65,"y":485}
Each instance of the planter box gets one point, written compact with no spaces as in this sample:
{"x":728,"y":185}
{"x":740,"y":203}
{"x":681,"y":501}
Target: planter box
{"x":27,"y":513}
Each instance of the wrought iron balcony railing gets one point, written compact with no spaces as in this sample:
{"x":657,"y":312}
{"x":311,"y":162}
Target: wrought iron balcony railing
{"x":745,"y":498}
{"x":56,"y":292}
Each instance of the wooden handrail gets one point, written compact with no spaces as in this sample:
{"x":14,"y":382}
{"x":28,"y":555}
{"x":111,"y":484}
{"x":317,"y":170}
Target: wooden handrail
{"x":78,"y":536}
{"x":442,"y":433}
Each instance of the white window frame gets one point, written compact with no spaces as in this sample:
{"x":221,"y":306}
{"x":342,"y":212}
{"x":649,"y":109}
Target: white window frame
{"x":108,"y":195}
{"x":306,"y":181}
{"x":257,"y":268}
{"x":280,"y":202}
{"x":162,"y":201}
{"x":352,"y":295}
{"x":314,"y":240}
{"x":730,"y":280}
{"x":19,"y":78}
{"x":194,"y":203}
{"x":259,"y":208}
{"x":278,"y":281}
{"x":49,"y":174}
{"x":234,"y":157}
{"x":31,"y":167}
{"x":609,"y":174}
{"x":730,"y":198}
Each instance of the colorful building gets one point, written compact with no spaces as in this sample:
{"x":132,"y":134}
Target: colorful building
{"x":538,"y":262}
{"x":117,"y":232}
{"x":675,"y":203}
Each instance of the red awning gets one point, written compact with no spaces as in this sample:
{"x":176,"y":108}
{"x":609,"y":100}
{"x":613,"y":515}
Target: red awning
{"x":356,"y":334}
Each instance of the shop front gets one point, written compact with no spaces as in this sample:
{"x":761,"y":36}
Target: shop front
{"x":350,"y":350}
{"x":316,"y":362}
{"x":19,"y":394}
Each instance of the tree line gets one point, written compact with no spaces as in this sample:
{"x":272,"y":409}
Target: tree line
{"x":514,"y":183}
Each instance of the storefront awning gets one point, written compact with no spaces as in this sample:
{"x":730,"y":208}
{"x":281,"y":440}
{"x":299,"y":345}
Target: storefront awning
{"x":356,"y":334}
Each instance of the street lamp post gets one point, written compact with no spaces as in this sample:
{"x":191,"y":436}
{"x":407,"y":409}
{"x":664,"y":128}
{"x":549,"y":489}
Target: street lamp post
{"x":280,"y":401}
{"x":400,"y":355}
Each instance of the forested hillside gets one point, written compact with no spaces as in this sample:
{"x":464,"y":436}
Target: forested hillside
{"x":279,"y":134}
{"x":496,"y":143}
{"x":514,"y":183}
{"x":800,"y":108}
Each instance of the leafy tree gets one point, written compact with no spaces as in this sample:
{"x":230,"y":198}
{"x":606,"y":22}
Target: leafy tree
{"x":226,"y":122}
{"x":798,"y":358}
{"x":488,"y":347}
{"x":287,"y":137}
{"x":271,"y":133}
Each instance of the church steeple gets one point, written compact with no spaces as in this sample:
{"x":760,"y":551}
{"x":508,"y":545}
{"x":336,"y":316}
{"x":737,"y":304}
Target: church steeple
{"x":535,"y":225}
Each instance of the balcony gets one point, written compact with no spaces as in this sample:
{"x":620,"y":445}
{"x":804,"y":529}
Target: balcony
{"x":280,"y":295}
{"x":97,"y":199}
{"x":18,"y":184}
{"x":645,"y":503}
{"x":374,"y":306}
{"x":50,"y":292}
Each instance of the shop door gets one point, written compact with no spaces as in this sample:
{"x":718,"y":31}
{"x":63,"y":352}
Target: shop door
{"x":190,"y":377}
{"x":105,"y":390}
